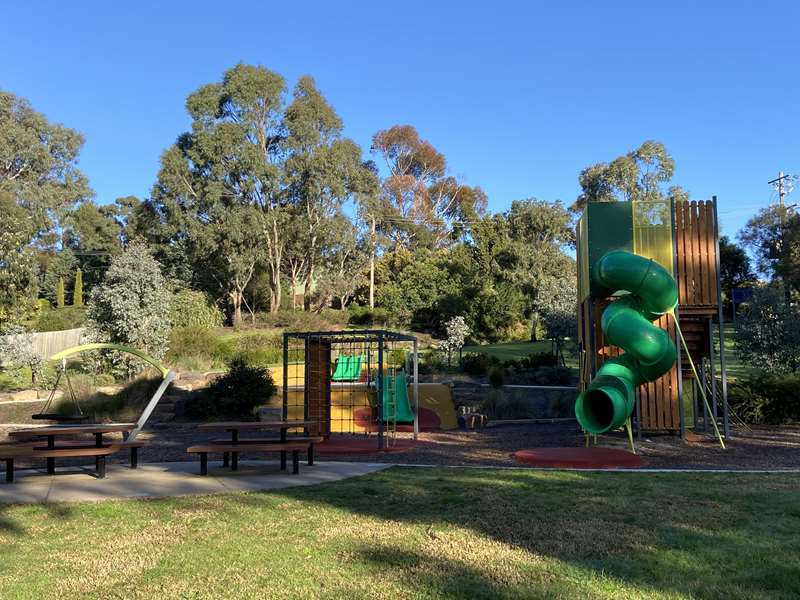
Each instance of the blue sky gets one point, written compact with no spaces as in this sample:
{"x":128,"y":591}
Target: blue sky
{"x":518,"y":96}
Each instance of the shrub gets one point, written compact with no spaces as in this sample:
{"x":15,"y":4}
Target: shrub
{"x":300,"y":320}
{"x":477,"y":365}
{"x":766,"y":398}
{"x":364,"y":315}
{"x":541,"y":359}
{"x":236,"y":394}
{"x":496,"y":377}
{"x":131,"y":307}
{"x":60,"y":319}
{"x":190,"y":308}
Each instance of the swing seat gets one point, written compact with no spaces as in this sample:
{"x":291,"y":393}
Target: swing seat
{"x":58,"y":417}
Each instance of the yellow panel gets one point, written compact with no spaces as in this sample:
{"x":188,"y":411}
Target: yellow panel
{"x":652,"y":232}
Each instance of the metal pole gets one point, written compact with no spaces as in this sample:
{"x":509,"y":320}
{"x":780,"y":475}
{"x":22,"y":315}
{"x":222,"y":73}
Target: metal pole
{"x":726,"y":426}
{"x":676,"y":315}
{"x":416,"y":391}
{"x":285,"y":407}
{"x":380,"y":392}
{"x":703,"y":387}
{"x":713,"y":374}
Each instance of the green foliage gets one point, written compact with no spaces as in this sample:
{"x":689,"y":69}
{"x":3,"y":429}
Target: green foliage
{"x":768,"y":333}
{"x":55,"y":267}
{"x":190,"y":308}
{"x":77,"y":290}
{"x":131,"y":306}
{"x":773,"y":235}
{"x":18,"y":357}
{"x":477,"y":365}
{"x":299,"y":320}
{"x":19,"y":273}
{"x":198,"y":348}
{"x":764,"y":398}
{"x":124,"y":405}
{"x":60,"y":293}
{"x":639,"y":175}
{"x":39,"y":184}
{"x":60,"y":319}
{"x":364,"y":315}
{"x":236,"y":394}
{"x":496,"y":377}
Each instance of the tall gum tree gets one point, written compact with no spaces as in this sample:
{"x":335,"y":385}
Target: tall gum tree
{"x":421,"y":204}
{"x":39,"y":184}
{"x":323,"y":170}
{"x":225,"y":175}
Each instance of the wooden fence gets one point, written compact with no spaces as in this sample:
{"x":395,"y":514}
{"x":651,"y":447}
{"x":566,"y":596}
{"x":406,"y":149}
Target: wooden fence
{"x":48,"y":343}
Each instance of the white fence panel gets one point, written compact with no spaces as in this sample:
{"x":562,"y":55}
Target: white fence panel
{"x":48,"y":343}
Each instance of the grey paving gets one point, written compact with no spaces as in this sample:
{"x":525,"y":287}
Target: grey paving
{"x":159,"y":480}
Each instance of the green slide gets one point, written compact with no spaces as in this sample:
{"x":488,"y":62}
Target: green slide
{"x":649,"y":352}
{"x":348,"y":368}
{"x":399,"y":387}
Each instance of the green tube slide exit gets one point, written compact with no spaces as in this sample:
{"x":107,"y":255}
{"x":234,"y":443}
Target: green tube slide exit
{"x":649,"y":352}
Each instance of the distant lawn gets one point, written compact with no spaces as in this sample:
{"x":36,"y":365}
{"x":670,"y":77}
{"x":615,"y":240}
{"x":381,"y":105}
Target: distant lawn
{"x":422,"y":533}
{"x":517,"y":350}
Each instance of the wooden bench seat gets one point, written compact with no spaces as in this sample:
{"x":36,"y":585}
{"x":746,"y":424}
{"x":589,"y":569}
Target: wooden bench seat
{"x":133,"y":446}
{"x":9,"y":453}
{"x":310,"y":440}
{"x":234,"y":449}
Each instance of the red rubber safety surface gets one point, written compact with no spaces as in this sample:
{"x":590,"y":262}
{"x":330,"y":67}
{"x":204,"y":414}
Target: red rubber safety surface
{"x":578,"y":458}
{"x":369,"y":445}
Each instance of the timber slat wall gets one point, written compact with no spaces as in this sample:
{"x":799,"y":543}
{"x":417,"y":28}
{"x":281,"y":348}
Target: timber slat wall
{"x":696,"y":249}
{"x":317,"y":380}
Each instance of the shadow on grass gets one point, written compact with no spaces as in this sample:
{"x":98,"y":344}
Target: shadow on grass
{"x":17,"y":525}
{"x":710,"y":536}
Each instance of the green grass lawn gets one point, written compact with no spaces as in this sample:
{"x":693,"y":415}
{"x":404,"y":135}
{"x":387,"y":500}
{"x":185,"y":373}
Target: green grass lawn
{"x":422,"y":533}
{"x":517,"y":350}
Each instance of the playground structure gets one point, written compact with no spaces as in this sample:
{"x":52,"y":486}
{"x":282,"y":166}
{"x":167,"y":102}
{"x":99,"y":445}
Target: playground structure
{"x":664,"y":258}
{"x":356,"y":382}
{"x":167,"y":376}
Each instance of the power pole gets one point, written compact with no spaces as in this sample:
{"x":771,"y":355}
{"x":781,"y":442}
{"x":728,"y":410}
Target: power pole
{"x":372,"y":267}
{"x":780,"y":187}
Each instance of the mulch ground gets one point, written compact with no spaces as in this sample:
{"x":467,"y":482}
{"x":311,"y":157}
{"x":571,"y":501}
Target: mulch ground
{"x":759,"y":448}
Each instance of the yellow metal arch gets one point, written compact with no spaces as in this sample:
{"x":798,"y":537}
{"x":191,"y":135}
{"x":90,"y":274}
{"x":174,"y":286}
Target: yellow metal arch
{"x":106,"y":346}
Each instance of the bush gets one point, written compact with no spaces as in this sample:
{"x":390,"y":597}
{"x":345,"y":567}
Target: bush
{"x":124,"y":405}
{"x":236,"y":394}
{"x":364,"y":315}
{"x":60,"y":319}
{"x":541,"y":359}
{"x":766,"y":399}
{"x":197,"y":348}
{"x":190,"y":308}
{"x":131,"y":307}
{"x":477,"y":365}
{"x":300,"y":320}
{"x":497,"y":377}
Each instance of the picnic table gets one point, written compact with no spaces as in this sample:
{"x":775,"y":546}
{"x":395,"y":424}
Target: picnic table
{"x":230,"y":448}
{"x":236,"y":426}
{"x":99,"y":450}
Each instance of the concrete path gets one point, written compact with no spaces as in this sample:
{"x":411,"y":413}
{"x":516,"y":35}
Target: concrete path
{"x":159,"y":480}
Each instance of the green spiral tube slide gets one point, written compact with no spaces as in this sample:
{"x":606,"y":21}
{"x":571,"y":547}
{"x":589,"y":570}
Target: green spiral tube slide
{"x":649,"y":352}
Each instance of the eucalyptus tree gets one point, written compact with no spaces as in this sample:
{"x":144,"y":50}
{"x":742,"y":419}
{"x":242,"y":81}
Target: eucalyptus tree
{"x":39,"y":185}
{"x":422,"y":205}
{"x":219,"y":184}
{"x":641,"y":175}
{"x":322,"y":169}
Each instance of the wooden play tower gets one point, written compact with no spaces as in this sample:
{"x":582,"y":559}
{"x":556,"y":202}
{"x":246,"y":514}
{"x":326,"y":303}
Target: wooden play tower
{"x":684,"y":238}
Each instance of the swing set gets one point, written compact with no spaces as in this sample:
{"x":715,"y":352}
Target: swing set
{"x":48,"y":413}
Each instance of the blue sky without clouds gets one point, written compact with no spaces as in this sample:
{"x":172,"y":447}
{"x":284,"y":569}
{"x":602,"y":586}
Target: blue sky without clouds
{"x":518,"y":96}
